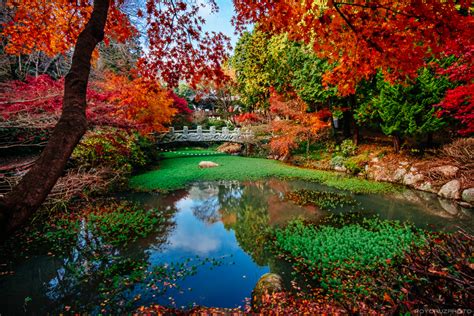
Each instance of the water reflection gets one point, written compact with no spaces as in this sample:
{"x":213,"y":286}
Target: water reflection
{"x":215,"y":235}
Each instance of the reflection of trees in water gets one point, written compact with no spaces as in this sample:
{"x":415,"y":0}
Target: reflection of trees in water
{"x":208,"y":198}
{"x":251,"y":209}
{"x":207,"y":210}
{"x":94,"y":272}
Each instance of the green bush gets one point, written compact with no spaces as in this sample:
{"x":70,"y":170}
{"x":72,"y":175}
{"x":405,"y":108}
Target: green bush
{"x":352,"y":166}
{"x":348,"y":148}
{"x":113,"y":148}
{"x":338,"y":161}
{"x":218,"y":124}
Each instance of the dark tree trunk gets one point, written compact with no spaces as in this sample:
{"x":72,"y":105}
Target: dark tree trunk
{"x":396,"y":143}
{"x":429,"y":140}
{"x":355,"y":134}
{"x":334,"y":131}
{"x":25,"y":198}
{"x":347,"y":117}
{"x":355,"y":127}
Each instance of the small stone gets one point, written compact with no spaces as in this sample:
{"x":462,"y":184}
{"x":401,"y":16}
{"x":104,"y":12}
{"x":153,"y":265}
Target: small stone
{"x":426,"y":186}
{"x":465,"y":204}
{"x":340,"y":168}
{"x":411,"y":179}
{"x":450,"y":190}
{"x":468,"y":195}
{"x":447,"y":171}
{"x":399,"y":174}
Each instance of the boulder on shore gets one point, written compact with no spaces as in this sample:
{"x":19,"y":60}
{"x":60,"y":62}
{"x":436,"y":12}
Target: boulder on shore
{"x":468,"y":195}
{"x":451,"y":190}
{"x":268,"y":283}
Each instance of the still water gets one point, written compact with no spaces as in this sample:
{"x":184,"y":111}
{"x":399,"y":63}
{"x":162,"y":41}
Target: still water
{"x":214,"y":242}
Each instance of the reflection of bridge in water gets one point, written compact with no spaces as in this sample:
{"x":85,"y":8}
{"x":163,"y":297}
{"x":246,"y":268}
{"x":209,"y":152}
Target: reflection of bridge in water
{"x":208,"y":135}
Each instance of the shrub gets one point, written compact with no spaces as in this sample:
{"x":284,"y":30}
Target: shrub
{"x":218,"y":124}
{"x":348,"y":148}
{"x":353,"y":166}
{"x":337,"y":161}
{"x":112,"y":148}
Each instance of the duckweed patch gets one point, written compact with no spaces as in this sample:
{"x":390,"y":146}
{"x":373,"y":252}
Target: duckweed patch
{"x":357,"y":246}
{"x":116,"y":224}
{"x":176,"y":173}
{"x":346,"y":261}
{"x":322,"y":199}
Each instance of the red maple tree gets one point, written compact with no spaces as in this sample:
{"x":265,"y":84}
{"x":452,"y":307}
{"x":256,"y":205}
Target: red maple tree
{"x":362,"y":37}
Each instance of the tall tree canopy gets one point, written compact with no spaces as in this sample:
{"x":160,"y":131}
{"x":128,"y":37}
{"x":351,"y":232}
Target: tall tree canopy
{"x":177,"y":46}
{"x":360,"y":37}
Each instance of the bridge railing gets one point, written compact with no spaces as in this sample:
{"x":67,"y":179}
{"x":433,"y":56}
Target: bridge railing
{"x":211,"y":130}
{"x":200,"y":134}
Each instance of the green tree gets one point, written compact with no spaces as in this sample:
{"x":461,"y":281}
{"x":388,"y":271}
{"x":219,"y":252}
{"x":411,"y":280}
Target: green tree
{"x":406,"y":110}
{"x":249,"y":62}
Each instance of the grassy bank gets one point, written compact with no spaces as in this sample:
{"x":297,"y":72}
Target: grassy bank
{"x":181,"y":168}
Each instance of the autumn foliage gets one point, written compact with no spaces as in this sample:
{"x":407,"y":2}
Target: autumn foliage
{"x":53,"y":26}
{"x":361,"y":37}
{"x":248,"y":118}
{"x":459,"y":101}
{"x":178,"y":48}
{"x":293,"y":124}
{"x":140,"y":103}
{"x":141,"y":100}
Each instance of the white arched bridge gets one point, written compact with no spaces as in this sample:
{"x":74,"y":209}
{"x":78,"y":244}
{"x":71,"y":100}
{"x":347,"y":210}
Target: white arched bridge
{"x":204,"y":135}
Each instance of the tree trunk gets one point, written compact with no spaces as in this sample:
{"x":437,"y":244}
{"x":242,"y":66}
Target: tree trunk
{"x":308,"y":145}
{"x":355,"y":135}
{"x":347,"y":117}
{"x":25,"y":198}
{"x":396,"y":143}
{"x":355,"y":127}
{"x":429,"y":140}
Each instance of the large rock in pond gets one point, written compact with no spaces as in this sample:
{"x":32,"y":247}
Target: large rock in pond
{"x":450,"y":190}
{"x":208,"y":164}
{"x":268,"y":283}
{"x":468,"y":195}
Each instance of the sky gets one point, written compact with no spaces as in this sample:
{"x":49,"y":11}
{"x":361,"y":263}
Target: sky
{"x":220,"y":22}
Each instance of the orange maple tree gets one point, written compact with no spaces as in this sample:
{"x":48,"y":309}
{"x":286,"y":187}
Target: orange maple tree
{"x":177,"y":46}
{"x":52,"y":27}
{"x":293,"y":124}
{"x":361,"y":37}
{"x":142,"y":101}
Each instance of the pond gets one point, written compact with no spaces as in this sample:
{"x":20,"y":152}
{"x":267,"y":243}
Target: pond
{"x":210,"y":248}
